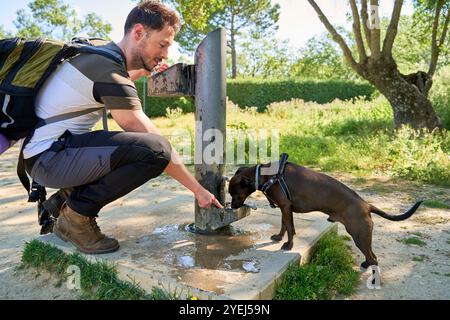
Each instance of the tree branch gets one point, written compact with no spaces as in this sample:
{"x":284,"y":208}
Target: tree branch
{"x":445,"y":30}
{"x":392,"y":29}
{"x":375,"y":37}
{"x":357,"y":32}
{"x":435,"y":47}
{"x":434,"y":44}
{"x":365,"y":21}
{"x":336,"y":37}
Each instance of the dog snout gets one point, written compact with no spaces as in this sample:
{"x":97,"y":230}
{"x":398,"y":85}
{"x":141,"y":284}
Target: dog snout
{"x":236,"y":204}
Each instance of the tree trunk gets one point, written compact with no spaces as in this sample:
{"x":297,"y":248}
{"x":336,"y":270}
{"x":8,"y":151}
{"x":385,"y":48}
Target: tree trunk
{"x":233,"y":57}
{"x":409,"y":104}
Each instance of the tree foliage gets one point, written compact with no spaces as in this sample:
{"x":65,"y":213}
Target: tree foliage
{"x":264,"y":58}
{"x":412,"y":50}
{"x":57,"y":20}
{"x":4,"y":33}
{"x":239,"y":17}
{"x":320,"y":58}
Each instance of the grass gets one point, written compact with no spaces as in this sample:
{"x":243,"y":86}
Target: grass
{"x":413,"y":241}
{"x":329,"y":273}
{"x":420,"y":258}
{"x":99,"y":280}
{"x":418,"y":234}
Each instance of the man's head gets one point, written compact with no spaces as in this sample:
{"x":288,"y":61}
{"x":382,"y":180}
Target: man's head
{"x":150,"y":30}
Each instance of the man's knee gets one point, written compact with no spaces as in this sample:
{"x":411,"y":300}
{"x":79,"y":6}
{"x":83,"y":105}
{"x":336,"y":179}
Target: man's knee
{"x":160,"y":150}
{"x":163,"y":149}
{"x":151,"y":149}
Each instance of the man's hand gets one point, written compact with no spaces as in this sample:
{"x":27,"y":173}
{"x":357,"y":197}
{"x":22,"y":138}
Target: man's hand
{"x":206,"y":199}
{"x":136,"y":74}
{"x":161,"y":67}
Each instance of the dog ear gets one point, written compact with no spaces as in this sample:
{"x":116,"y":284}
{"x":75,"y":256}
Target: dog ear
{"x":240,"y":170}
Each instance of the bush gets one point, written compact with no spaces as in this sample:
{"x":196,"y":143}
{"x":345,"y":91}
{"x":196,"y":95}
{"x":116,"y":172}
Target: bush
{"x":421,"y":156}
{"x":157,"y":107}
{"x":261,"y":93}
{"x":440,"y":96}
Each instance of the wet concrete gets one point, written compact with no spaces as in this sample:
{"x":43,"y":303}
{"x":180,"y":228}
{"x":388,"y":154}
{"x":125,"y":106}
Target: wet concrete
{"x":242,"y":263}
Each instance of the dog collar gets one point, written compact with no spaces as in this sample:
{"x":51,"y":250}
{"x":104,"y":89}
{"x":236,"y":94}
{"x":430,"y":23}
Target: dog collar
{"x":257,"y":174}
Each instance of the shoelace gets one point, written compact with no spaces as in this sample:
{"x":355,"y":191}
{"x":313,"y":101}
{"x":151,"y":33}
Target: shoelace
{"x":94,"y":224}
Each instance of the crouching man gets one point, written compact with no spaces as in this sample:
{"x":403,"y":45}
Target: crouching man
{"x":97,"y":168}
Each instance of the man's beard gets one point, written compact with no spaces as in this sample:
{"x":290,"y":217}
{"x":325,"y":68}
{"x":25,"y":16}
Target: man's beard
{"x":138,"y":62}
{"x":145,"y":66}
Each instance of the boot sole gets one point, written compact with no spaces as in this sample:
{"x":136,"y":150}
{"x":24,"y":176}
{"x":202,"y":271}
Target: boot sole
{"x":66,"y":239}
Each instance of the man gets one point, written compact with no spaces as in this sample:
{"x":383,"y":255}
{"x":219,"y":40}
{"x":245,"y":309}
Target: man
{"x":101,"y":167}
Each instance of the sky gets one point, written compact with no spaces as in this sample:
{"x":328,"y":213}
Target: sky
{"x":298,"y":21}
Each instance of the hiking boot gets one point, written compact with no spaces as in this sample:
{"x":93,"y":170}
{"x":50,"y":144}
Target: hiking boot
{"x":83,"y":232}
{"x":54,"y":204}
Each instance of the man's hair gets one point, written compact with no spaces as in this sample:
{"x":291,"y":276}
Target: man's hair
{"x":153,"y":14}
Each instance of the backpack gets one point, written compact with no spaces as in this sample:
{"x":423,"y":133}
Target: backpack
{"x":25,"y":65}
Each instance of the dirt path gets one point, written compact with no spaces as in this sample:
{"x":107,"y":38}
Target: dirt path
{"x":408,"y":271}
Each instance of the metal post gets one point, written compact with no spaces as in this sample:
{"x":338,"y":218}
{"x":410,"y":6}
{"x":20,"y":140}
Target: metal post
{"x":144,"y":96}
{"x":210,"y":140}
{"x":210,"y":116}
{"x":206,"y":80}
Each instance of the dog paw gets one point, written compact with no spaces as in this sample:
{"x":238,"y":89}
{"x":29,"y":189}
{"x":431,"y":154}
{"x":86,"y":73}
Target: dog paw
{"x":276,"y":238}
{"x":287,"y":246}
{"x":365,"y":266}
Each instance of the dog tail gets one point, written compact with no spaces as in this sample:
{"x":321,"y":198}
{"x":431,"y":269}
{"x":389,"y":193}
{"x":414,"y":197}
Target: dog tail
{"x":401,"y":217}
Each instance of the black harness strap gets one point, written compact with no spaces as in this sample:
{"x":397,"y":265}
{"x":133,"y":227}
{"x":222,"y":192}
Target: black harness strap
{"x":279,"y":177}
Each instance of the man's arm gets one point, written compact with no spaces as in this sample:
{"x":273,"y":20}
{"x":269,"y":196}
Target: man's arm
{"x":137,"y":121}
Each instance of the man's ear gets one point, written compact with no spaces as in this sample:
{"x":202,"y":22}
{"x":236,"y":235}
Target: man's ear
{"x":138,"y":31}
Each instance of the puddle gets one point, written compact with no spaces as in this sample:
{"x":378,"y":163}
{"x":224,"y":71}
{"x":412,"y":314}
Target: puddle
{"x":165,"y":229}
{"x":202,"y":261}
{"x":184,"y":250}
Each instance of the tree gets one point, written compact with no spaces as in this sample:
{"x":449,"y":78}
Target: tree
{"x":93,"y":26}
{"x":57,"y":20}
{"x":407,"y":94}
{"x":238,"y":17}
{"x":320,"y":59}
{"x":412,"y":45}
{"x":3,"y":33}
{"x":264,"y":57}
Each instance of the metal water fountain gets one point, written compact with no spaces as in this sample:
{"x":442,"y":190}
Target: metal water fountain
{"x":205,"y":81}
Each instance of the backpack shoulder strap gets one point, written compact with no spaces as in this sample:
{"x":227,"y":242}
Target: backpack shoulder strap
{"x":97,"y":46}
{"x":110,"y":54}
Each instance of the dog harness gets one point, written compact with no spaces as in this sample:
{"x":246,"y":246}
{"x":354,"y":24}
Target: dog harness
{"x":278,"y":178}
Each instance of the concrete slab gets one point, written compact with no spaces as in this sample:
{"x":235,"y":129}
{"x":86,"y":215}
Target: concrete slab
{"x":157,"y":251}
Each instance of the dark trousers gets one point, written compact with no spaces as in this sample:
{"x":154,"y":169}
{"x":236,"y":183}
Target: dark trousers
{"x":100,"y":166}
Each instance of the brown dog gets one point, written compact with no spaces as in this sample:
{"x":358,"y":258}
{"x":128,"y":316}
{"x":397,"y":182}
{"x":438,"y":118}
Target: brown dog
{"x":313,"y":191}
